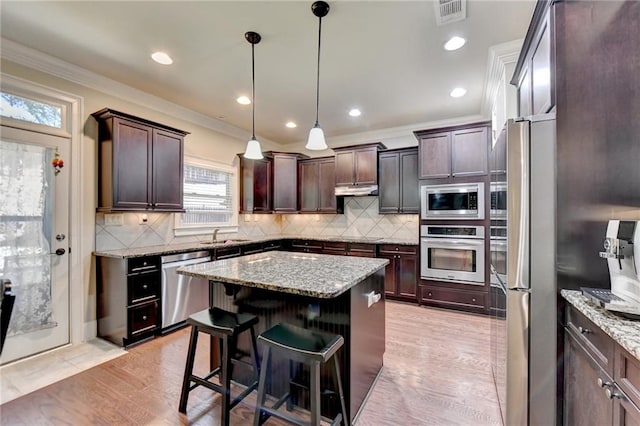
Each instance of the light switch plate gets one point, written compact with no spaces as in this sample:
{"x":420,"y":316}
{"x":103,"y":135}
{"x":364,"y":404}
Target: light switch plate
{"x":112,"y":219}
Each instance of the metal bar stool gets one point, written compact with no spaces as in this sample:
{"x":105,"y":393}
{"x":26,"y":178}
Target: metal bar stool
{"x":306,"y":346}
{"x":226,"y":326}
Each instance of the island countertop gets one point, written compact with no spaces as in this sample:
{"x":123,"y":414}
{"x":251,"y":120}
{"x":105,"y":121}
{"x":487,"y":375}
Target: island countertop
{"x":316,"y":275}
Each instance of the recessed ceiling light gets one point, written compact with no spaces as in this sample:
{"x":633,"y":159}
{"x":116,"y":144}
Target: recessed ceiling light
{"x":162,"y":58}
{"x":355,"y":112}
{"x":454,"y":43}
{"x":243,"y":100}
{"x":458,"y":92}
{"x":291,"y":125}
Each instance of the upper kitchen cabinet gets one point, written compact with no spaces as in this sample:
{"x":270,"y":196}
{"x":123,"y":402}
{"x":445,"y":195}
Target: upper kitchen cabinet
{"x":535,"y":78}
{"x":285,"y":181}
{"x":398,"y":181}
{"x":357,"y":165}
{"x":140,"y":164}
{"x":317,"y":186}
{"x":454,"y":152}
{"x":255,"y":185}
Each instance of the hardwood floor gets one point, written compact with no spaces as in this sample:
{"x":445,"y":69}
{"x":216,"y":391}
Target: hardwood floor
{"x":437,"y":372}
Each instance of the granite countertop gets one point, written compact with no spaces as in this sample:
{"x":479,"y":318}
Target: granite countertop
{"x":316,"y":275}
{"x":195,"y":246}
{"x":623,"y":331}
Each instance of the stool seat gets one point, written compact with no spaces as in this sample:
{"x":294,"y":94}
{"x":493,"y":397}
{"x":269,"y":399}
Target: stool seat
{"x":216,"y":320}
{"x":302,"y":344}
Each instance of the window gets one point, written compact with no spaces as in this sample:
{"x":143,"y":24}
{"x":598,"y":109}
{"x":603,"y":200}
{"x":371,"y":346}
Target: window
{"x":209,"y":200}
{"x":23,"y":109}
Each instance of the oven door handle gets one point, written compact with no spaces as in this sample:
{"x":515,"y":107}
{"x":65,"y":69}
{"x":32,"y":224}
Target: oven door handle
{"x":453,"y":242}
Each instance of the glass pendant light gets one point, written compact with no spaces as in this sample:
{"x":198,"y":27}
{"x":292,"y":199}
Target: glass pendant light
{"x":316,"y":141}
{"x":253,"y":150}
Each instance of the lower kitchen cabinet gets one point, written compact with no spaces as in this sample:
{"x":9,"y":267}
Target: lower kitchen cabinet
{"x":401,"y":274}
{"x":306,"y":246}
{"x":601,"y":379}
{"x":444,"y":297}
{"x":128,"y":298}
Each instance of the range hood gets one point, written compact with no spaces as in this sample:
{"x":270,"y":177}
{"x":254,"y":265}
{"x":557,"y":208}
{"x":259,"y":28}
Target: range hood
{"x":359,"y":190}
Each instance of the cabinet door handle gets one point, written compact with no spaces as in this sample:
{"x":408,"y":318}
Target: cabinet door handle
{"x":144,"y":318}
{"x":584,"y":330}
{"x":473,"y":299}
{"x":611,"y":394}
{"x":145,"y":286}
{"x":603,"y":383}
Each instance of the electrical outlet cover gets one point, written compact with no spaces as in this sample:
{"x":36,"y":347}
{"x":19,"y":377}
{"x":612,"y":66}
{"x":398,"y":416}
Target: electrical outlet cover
{"x":114,"y":219}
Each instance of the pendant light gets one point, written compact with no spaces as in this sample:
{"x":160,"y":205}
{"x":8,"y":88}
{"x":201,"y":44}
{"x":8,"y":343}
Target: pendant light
{"x":316,"y":139}
{"x":253,"y":151}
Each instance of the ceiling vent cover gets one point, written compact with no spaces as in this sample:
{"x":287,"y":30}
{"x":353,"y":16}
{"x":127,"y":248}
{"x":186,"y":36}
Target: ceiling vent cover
{"x":448,"y":11}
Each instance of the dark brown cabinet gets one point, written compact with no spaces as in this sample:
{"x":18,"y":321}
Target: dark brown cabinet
{"x":398,"y":181}
{"x":401,"y":274}
{"x":317,"y":186}
{"x":140,"y":163}
{"x":285,"y":182}
{"x":454,"y":152}
{"x":255,"y":185}
{"x":128,"y":298}
{"x":536,"y":82}
{"x":445,"y":297}
{"x":601,"y":379}
{"x":357,"y":165}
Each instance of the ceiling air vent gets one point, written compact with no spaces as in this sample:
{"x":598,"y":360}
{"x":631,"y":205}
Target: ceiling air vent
{"x":448,"y":11}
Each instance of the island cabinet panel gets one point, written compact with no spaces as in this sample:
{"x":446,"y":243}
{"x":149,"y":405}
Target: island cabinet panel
{"x":454,"y":152}
{"x":255,"y":185}
{"x":398,"y":181}
{"x":317,"y":186}
{"x":128,"y":298}
{"x":401,"y":274}
{"x":465,"y":300}
{"x":357,"y":165}
{"x":140,"y":164}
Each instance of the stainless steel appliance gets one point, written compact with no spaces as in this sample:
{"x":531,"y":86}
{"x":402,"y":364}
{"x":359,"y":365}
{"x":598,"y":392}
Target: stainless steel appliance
{"x":452,"y":253}
{"x":452,"y":201}
{"x":182,"y":295}
{"x":523,"y":344}
{"x":622,"y":252}
{"x":498,"y":200}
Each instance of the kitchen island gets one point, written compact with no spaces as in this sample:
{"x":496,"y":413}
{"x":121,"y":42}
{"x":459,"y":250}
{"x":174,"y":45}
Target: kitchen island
{"x":336,"y":294}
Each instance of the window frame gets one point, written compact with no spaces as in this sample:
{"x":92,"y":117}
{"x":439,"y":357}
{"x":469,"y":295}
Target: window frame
{"x":65,"y":124}
{"x":181,"y":229}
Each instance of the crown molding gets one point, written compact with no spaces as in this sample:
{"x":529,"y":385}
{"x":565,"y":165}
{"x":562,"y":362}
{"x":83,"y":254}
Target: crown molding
{"x":48,"y":64}
{"x":499,"y":56}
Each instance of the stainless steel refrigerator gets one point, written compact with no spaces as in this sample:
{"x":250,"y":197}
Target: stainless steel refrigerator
{"x":524,"y":324}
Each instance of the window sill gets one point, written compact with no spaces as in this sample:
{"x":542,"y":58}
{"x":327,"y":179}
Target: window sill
{"x":204,"y":230}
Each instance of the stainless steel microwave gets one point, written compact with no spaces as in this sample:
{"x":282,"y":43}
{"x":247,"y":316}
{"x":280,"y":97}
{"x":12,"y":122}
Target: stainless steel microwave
{"x":452,"y":201}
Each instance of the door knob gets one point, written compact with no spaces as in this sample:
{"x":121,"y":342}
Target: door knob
{"x":60,"y":251}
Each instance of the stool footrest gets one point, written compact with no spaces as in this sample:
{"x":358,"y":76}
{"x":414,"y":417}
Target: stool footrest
{"x":199,"y":381}
{"x":244,"y":393}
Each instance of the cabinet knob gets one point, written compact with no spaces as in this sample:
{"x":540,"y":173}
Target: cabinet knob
{"x":144,"y":318}
{"x":429,"y":294}
{"x":584,"y":330}
{"x":611,"y":394}
{"x":397,"y":248}
{"x":603,"y":383}
{"x":473,"y":299}
{"x":145,"y":286}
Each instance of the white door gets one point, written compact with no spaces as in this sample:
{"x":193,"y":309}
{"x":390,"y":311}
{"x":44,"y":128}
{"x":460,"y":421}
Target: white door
{"x":34,"y":239}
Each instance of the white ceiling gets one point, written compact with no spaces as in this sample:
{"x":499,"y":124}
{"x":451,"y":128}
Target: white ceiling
{"x":384,"y":57}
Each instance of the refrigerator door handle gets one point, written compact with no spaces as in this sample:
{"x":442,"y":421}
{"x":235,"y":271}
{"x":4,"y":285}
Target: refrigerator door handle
{"x":518,"y":350}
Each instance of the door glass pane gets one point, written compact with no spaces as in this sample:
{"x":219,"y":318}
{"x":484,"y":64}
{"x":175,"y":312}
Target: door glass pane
{"x":24,"y":109}
{"x":26,"y":185}
{"x":452,"y":259}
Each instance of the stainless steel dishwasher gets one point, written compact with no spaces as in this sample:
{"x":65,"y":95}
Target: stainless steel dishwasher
{"x":182,"y":295}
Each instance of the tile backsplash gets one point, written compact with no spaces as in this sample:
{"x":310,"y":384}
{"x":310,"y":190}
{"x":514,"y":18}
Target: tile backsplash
{"x":360,"y":219}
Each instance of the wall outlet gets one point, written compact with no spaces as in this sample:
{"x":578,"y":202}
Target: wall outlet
{"x":116,"y":219}
{"x":143,"y":219}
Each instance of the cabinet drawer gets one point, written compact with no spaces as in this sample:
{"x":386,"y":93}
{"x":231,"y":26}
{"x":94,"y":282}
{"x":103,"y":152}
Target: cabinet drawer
{"x":627,"y":374}
{"x":397,"y":249}
{"x":595,"y":341}
{"x":143,"y":287}
{"x":143,"y":318}
{"x":307,"y":246}
{"x":362,"y":250}
{"x":228,"y":252}
{"x":252,"y":248}
{"x":335,"y":247}
{"x":453,"y":298}
{"x":141,"y":264}
{"x":272,"y":245}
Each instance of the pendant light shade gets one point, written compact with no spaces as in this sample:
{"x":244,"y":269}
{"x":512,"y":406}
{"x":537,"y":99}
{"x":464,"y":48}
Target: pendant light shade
{"x":316,"y":141}
{"x":253,"y":150}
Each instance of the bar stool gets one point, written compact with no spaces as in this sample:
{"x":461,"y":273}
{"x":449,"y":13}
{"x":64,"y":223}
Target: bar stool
{"x":306,"y":346}
{"x":226,"y":326}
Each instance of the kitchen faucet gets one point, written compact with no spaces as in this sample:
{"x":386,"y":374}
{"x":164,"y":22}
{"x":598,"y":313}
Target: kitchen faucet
{"x":214,"y":238}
